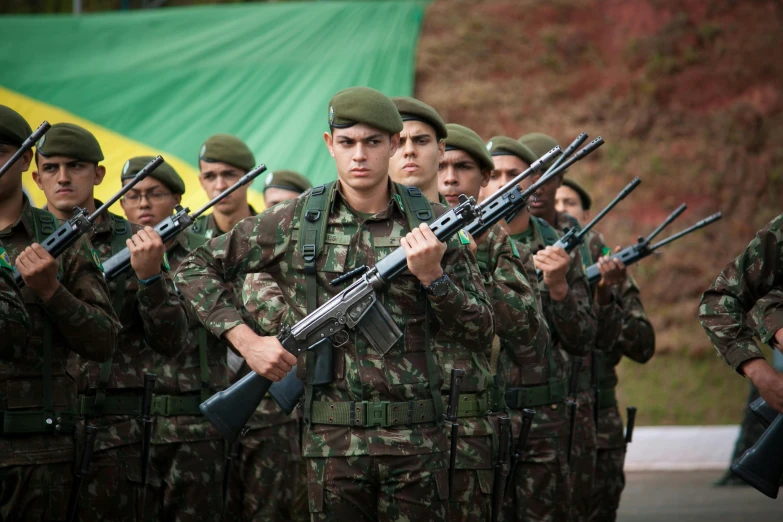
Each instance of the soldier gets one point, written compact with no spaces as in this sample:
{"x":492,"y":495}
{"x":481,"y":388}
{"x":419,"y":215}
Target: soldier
{"x":15,"y":324}
{"x":283,"y":185}
{"x":726,"y":305}
{"x":186,"y":466}
{"x":465,"y":168}
{"x":541,"y":489}
{"x":387,"y":457}
{"x":637,"y":342}
{"x":69,"y":309}
{"x":153,"y":321}
{"x":609,"y":312}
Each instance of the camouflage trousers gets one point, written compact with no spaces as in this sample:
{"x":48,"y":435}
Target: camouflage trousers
{"x":268,"y":479}
{"x":471,"y":500}
{"x":608,"y":484}
{"x":35,"y":493}
{"x":384,"y":488}
{"x":583,"y":458}
{"x":191,"y":480}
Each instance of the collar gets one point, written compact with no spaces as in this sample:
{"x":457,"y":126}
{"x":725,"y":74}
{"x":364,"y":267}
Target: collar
{"x":25,"y":218}
{"x":395,"y":200}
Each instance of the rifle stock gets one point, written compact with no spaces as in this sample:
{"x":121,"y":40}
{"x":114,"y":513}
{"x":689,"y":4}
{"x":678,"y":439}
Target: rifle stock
{"x":762,"y":465}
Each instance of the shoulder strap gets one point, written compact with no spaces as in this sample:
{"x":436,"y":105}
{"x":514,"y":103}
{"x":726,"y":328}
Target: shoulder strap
{"x":200,"y":225}
{"x":547,"y":232}
{"x":415,"y":206}
{"x":312,"y":235}
{"x":196,"y":239}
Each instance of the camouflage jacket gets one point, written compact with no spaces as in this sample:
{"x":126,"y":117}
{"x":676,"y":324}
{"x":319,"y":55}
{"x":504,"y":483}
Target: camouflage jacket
{"x":268,"y":243}
{"x":724,"y":307}
{"x":14,"y":322}
{"x":154,"y":323}
{"x":83,"y":322}
{"x":207,"y":226}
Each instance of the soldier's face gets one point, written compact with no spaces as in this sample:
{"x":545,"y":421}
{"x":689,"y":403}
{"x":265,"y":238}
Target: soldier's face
{"x":507,"y":167}
{"x":568,"y":200}
{"x":417,"y":158}
{"x":12,"y":180}
{"x":217,"y":177}
{"x":362,"y":154}
{"x":275,"y":195}
{"x":67,"y":182}
{"x":542,"y":202}
{"x":459,"y":173}
{"x":149,"y":202}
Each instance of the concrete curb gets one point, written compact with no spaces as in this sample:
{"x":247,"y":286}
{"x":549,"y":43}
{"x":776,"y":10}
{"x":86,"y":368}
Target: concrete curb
{"x":681,"y":448}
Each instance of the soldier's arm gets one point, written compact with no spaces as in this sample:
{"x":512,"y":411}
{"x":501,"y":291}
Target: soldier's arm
{"x":81,"y":308}
{"x":14,"y":321}
{"x":264,"y":304}
{"x":637,"y":338}
{"x":725,"y":305}
{"x":164,"y":315}
{"x":767,"y":317}
{"x":573,"y":319}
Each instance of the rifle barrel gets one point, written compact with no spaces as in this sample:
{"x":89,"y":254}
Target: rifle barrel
{"x":244,"y":180}
{"x":621,"y":196}
{"x":674,"y":215}
{"x":535,"y":167}
{"x":26,"y":145}
{"x":568,"y":151}
{"x":143,"y":173}
{"x":701,"y":224}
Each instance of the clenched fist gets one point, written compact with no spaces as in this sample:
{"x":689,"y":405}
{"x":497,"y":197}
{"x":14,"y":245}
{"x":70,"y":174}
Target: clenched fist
{"x":146,"y":253}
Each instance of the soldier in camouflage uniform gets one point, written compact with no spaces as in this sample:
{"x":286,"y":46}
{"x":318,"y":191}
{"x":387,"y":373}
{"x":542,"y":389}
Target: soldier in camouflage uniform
{"x":15,"y":323}
{"x":466,"y":167}
{"x":609,"y":313}
{"x":386,"y":458}
{"x":637,"y":342}
{"x":187,"y":460}
{"x":541,"y":489}
{"x":739,"y":290}
{"x":69,"y":309}
{"x":153,"y":321}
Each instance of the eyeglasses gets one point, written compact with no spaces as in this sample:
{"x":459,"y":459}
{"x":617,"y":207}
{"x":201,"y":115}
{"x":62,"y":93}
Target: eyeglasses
{"x":134,"y":199}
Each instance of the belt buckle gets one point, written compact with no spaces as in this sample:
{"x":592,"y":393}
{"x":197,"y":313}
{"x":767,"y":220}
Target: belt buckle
{"x":376,"y":413}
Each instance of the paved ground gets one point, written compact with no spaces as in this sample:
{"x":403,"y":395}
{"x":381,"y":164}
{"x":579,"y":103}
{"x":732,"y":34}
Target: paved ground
{"x":688,"y":497}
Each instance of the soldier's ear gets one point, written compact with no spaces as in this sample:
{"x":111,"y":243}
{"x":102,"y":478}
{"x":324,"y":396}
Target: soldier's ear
{"x":329,"y":143}
{"x":100,"y":173}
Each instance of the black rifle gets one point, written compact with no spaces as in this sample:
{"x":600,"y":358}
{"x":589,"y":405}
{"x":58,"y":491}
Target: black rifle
{"x":765,"y":413}
{"x":501,"y":471}
{"x":83,"y":222}
{"x":573,"y":238}
{"x":632,"y":254}
{"x":631,"y":423}
{"x":83,"y":467}
{"x":761,"y":466}
{"x":567,"y":152}
{"x":519,"y":448}
{"x":26,"y":145}
{"x":573,"y":403}
{"x":451,"y":416}
{"x":145,"y":417}
{"x":356,"y":307}
{"x":174,"y":224}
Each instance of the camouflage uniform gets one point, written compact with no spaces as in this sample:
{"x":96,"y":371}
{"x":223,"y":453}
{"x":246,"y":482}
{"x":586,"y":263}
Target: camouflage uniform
{"x":15,"y":324}
{"x":154,"y":327}
{"x":35,"y":466}
{"x":541,"y":488}
{"x":517,"y":322}
{"x":384,"y":472}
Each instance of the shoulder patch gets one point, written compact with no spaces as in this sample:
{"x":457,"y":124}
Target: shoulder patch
{"x":606,"y":251}
{"x":399,"y":202}
{"x":97,"y":259}
{"x":5,"y":261}
{"x":166,"y":261}
{"x":464,"y":238}
{"x":514,"y":250}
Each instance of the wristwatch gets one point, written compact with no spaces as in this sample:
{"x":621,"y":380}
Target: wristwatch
{"x":439,"y":287}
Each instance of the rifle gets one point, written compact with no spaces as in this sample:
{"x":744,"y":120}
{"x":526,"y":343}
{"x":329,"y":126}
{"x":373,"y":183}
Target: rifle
{"x":355,"y":307}
{"x":82,"y":221}
{"x":572,"y":404}
{"x":765,"y":413}
{"x":631,"y":423}
{"x":632,"y":254}
{"x":145,"y":417}
{"x":567,"y":152}
{"x":174,"y":224}
{"x":519,"y":447}
{"x":573,"y":238}
{"x":499,"y":480}
{"x":451,"y":416}
{"x":81,"y":470}
{"x":761,"y":466}
{"x":26,"y":145}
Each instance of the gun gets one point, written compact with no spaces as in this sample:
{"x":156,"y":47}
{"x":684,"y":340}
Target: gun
{"x":499,"y":480}
{"x":573,"y":238}
{"x":519,"y":447}
{"x":82,"y":221}
{"x":761,"y":466}
{"x":632,"y":254}
{"x":567,"y":152}
{"x":572,"y":404}
{"x":631,"y":422}
{"x":174,"y":224}
{"x":145,"y":417}
{"x":451,"y":416}
{"x":765,"y":413}
{"x":26,"y":145}
{"x":81,"y":470}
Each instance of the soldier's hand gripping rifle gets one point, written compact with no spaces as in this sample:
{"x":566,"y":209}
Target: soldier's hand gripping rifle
{"x":501,"y":471}
{"x":83,"y":222}
{"x":451,"y":416}
{"x":761,"y":466}
{"x":26,"y":145}
{"x":519,"y":448}
{"x":632,"y":254}
{"x":174,"y":224}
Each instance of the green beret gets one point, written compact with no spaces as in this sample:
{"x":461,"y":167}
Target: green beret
{"x":225,"y":148}
{"x":413,"y":109}
{"x":71,"y":141}
{"x":539,"y":143}
{"x":13,"y":128}
{"x":165,"y":173}
{"x":505,"y":146}
{"x":587,"y":201}
{"x":288,"y":180}
{"x":364,"y":105}
{"x":463,"y":138}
